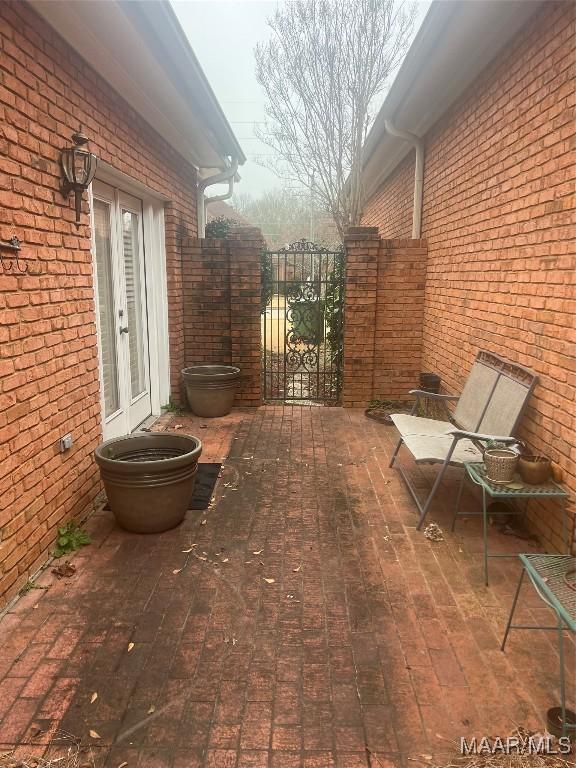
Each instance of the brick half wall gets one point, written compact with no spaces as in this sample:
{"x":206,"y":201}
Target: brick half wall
{"x":383,"y":317}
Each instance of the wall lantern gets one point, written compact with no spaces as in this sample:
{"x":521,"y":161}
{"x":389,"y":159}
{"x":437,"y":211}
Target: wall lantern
{"x":79,"y":167}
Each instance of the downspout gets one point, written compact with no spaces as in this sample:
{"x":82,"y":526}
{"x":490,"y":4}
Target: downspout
{"x":218,"y":178}
{"x":418,"y":174}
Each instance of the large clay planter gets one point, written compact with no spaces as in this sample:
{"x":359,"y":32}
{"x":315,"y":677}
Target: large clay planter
{"x":149,"y":477}
{"x":210,"y":389}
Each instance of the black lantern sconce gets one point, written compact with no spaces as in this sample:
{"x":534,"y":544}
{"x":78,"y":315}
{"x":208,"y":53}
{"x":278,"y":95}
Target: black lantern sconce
{"x":79,"y":167}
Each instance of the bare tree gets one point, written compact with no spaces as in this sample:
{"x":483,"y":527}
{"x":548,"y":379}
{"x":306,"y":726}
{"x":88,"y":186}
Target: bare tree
{"x":323,"y":70}
{"x":284,"y":216}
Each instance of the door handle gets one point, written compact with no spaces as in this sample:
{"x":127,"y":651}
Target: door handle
{"x":124,"y":329}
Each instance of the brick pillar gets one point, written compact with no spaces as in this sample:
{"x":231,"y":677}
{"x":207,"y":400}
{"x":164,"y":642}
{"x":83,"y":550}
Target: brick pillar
{"x":206,"y":304}
{"x":245,"y":244}
{"x":362,"y":246}
{"x":399,"y":318}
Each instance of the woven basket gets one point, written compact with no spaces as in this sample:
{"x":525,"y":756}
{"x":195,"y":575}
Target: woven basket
{"x":500,"y":464}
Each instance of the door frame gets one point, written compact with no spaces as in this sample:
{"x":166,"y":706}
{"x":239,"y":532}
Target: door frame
{"x":156,"y":284}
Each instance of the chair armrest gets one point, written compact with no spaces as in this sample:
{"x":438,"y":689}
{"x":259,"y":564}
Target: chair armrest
{"x":459,"y":434}
{"x":433,"y":395}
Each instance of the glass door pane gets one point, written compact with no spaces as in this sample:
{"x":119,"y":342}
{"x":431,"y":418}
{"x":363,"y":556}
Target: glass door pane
{"x":135,"y":300}
{"x":106,"y":311}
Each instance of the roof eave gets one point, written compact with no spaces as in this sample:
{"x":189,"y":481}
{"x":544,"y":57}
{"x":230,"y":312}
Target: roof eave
{"x":456,"y":41}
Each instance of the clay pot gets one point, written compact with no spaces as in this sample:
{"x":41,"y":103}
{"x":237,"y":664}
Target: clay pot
{"x":210,"y":389}
{"x":149,"y":478}
{"x":534,"y":469}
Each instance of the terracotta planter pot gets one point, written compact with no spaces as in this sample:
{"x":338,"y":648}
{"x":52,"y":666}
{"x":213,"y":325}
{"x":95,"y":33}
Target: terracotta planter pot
{"x":534,"y":469}
{"x":149,"y":478}
{"x":210,"y":389}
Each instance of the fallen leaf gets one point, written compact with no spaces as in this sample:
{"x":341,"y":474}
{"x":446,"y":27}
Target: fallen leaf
{"x":269,"y":581}
{"x":258,"y":552}
{"x":178,"y":426}
{"x":152,"y":709}
{"x":176,"y":570}
{"x":225,"y":559}
{"x":95,"y":735}
{"x":93,"y":697}
{"x":65,"y":570}
{"x":204,"y":522}
{"x":130,"y":646}
{"x":295,"y":570}
{"x":123,"y":765}
{"x":189,"y":550}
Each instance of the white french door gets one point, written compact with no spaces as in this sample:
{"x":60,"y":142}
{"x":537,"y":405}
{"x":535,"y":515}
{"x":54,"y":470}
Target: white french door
{"x":119,"y":255}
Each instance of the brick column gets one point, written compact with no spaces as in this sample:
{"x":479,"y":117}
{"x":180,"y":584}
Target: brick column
{"x":362,"y":245}
{"x":399,"y":318}
{"x":245,"y":244}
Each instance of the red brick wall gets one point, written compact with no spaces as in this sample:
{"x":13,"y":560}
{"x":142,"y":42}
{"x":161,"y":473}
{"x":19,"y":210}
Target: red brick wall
{"x":221,"y":297}
{"x":48,"y":355}
{"x":498,"y":218}
{"x":384,"y":315}
{"x":391,"y":209}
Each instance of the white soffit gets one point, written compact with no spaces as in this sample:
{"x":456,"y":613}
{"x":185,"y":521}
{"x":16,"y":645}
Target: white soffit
{"x":456,"y":41}
{"x":107,"y":40}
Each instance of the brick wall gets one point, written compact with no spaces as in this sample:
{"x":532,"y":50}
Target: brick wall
{"x":48,"y":355}
{"x":391,"y":208}
{"x":384,"y":314}
{"x":221,"y":299}
{"x":498,"y":218}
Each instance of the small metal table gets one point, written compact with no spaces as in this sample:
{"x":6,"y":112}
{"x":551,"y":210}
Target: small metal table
{"x":516,"y":489}
{"x":552,"y":578}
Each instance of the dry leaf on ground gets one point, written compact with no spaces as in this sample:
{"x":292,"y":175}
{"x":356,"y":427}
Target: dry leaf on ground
{"x":65,"y":570}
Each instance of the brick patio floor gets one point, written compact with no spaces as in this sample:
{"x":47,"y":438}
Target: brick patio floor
{"x":371,"y":645}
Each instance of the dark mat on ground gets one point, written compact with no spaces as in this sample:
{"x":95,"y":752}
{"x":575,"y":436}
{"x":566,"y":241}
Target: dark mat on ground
{"x":206,"y":477}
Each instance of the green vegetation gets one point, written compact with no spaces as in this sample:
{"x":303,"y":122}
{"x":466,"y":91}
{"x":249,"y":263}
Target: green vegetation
{"x":70,"y":539}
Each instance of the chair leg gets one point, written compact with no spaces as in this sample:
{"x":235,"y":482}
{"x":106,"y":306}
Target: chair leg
{"x":458,"y":500}
{"x":431,"y":495}
{"x":393,"y":459}
{"x":508,"y":626}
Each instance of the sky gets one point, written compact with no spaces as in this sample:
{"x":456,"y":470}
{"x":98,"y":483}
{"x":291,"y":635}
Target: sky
{"x":223,"y":35}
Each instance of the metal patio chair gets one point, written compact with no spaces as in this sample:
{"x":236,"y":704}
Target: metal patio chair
{"x":489,"y":408}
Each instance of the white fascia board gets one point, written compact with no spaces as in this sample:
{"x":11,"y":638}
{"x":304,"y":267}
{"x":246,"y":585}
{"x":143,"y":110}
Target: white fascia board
{"x":103,"y":35}
{"x":455,"y":43}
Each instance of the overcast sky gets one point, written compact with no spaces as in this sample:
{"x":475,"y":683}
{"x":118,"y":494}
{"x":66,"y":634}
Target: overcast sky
{"x":223,"y":34}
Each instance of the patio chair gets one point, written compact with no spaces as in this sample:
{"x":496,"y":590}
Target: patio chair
{"x":489,"y":408}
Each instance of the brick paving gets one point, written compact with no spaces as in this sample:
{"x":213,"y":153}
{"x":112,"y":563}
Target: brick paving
{"x":371,"y":645}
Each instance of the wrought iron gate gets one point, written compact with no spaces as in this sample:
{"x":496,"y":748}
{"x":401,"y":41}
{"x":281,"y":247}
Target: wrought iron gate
{"x":302,"y":323}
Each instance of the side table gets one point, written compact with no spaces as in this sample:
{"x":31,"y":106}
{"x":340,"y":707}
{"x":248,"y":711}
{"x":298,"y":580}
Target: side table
{"x":516,"y":489}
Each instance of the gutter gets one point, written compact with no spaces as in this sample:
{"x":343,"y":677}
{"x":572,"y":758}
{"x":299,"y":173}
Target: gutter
{"x":418,"y":144}
{"x":227,"y":175}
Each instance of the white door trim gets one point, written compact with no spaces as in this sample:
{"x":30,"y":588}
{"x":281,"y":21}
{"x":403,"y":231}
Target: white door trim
{"x":156,"y":285}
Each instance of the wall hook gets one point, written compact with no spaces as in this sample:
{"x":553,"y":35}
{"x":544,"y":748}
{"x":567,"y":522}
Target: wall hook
{"x":12,"y":245}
